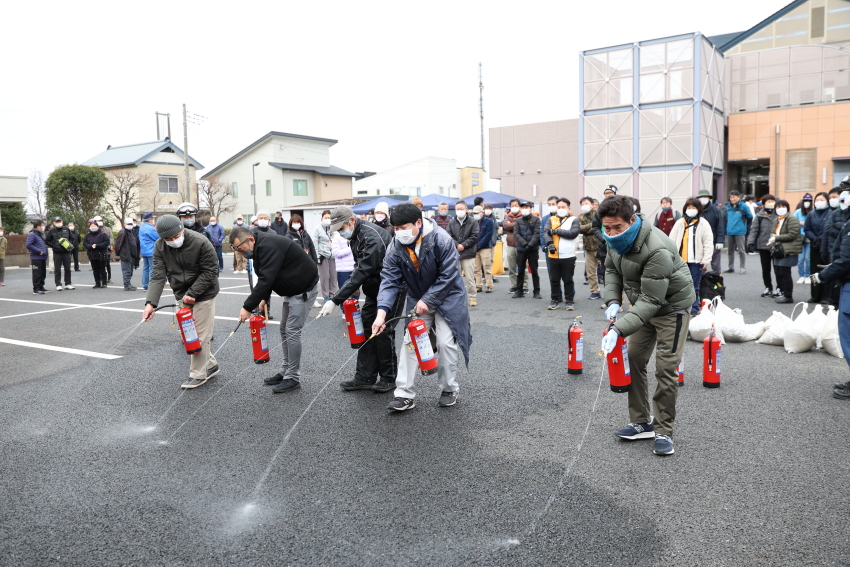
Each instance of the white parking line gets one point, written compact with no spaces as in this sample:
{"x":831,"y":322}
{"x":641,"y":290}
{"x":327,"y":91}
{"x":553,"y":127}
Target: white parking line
{"x":73,"y":306}
{"x":61,"y":349}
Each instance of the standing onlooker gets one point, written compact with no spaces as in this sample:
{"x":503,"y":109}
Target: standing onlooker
{"x":559,"y":237}
{"x":695,"y":242}
{"x":418,"y":202}
{"x":147,"y":239}
{"x":344,"y":259}
{"x":96,"y":243}
{"x":786,"y":232}
{"x":382,"y":212}
{"x":3,"y":242}
{"x":834,"y":223}
{"x":443,"y":219}
{"x":108,"y":257}
{"x":484,"y":255}
{"x":299,"y":234}
{"x":279,"y":225}
{"x":713,"y":215}
{"x":216,"y":232}
{"x":803,"y":269}
{"x":667,"y":217}
{"x":58,"y":239}
{"x":508,"y":224}
{"x":464,"y":232}
{"x":551,"y":208}
{"x":38,"y":257}
{"x":324,"y":253}
{"x":815,"y":225}
{"x":75,"y":242}
{"x":759,"y":240}
{"x":526,"y":233}
{"x":591,"y":245}
{"x":240,"y":264}
{"x":127,"y":250}
{"x":136,"y":229}
{"x":737,"y":214}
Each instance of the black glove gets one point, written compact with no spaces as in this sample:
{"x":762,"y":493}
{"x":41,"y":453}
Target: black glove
{"x":321,"y":259}
{"x":751,"y":248}
{"x":552,"y":249}
{"x":549,"y":231}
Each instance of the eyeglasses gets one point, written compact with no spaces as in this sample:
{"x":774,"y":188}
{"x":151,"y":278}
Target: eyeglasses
{"x":236,"y":248}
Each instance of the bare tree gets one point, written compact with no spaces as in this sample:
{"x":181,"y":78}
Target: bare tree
{"x":155,"y":201}
{"x":217,"y":196}
{"x":123,"y":193}
{"x":37,"y":198}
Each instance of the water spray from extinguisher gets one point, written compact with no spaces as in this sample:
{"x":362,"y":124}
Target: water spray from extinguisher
{"x":575,"y":348}
{"x":619,"y":374}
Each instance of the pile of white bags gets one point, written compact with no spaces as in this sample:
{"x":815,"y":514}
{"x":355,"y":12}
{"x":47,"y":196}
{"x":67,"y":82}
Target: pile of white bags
{"x":700,"y":326}
{"x":801,"y":335}
{"x":774,"y":329}
{"x":729,"y":324}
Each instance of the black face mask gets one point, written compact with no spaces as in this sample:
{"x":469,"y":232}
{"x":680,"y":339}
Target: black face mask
{"x":248,"y":254}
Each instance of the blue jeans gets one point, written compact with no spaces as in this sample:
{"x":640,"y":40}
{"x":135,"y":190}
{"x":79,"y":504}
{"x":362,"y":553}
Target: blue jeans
{"x":220,"y":259}
{"x":696,"y":275}
{"x":804,"y":269}
{"x":147,"y":268}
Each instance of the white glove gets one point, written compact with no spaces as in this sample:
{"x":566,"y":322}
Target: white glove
{"x":771,"y":240}
{"x":610,"y":341}
{"x":718,"y":246}
{"x":326,"y":309}
{"x":612,"y":310}
{"x":816,"y":279}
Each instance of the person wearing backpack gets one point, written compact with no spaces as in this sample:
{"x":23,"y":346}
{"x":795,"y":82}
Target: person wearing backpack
{"x":59,"y":239}
{"x":667,"y":217}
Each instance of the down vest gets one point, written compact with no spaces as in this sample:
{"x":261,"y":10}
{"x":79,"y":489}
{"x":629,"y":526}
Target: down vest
{"x":655,"y":278}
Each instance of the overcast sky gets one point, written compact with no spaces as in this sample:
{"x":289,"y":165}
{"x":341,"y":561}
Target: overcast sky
{"x":392,"y":81}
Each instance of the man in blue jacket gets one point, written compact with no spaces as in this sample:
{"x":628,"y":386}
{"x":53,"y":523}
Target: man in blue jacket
{"x":484,"y":255}
{"x":147,"y":238}
{"x":425,"y":257}
{"x":216,"y":233}
{"x":38,"y":257}
{"x":737,"y":214}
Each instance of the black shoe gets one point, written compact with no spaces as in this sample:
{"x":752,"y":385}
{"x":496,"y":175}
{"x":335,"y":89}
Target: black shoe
{"x":271,"y":317}
{"x":273,"y":380}
{"x":842,"y":386}
{"x":401,"y":404}
{"x":518,"y":295}
{"x":96,"y":286}
{"x":355,"y":384}
{"x":212,"y":371}
{"x":767,"y":292}
{"x":729,"y":271}
{"x":554,"y":305}
{"x":382,"y":387}
{"x":131,"y":288}
{"x":38,"y":292}
{"x":537,"y":295}
{"x":841,"y":394}
{"x":448,"y":399}
{"x":569,"y":305}
{"x":287,"y":385}
{"x":586,"y":282}
{"x":512,"y":290}
{"x":784,"y":299}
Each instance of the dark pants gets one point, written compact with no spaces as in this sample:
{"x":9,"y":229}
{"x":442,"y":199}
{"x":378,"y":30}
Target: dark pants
{"x":108,"y":267}
{"x":127,"y":271}
{"x":62,"y":260}
{"x":341,"y":278}
{"x":377,"y":357}
{"x":76,"y":253}
{"x":39,"y":273}
{"x":98,"y":267}
{"x":784,"y":281}
{"x":562,"y":270}
{"x":560,"y":293}
{"x":766,"y":262}
{"x":220,"y":258}
{"x":817,"y":290}
{"x":527,"y":257}
{"x":696,"y":275}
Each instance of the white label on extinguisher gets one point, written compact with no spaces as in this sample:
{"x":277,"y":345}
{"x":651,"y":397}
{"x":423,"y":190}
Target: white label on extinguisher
{"x":626,"y":368}
{"x":190,"y":335}
{"x":263,"y":345}
{"x":423,"y":346}
{"x":717,"y":362}
{"x":681,"y":368}
{"x":579,"y":350}
{"x":358,"y":323}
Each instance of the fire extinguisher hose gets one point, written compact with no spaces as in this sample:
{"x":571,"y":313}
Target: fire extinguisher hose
{"x":166,"y":307}
{"x":233,"y":332}
{"x":406,"y":316}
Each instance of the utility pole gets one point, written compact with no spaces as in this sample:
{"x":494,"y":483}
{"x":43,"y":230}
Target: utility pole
{"x":168,"y":117}
{"x":186,"y":157}
{"x":481,"y":111}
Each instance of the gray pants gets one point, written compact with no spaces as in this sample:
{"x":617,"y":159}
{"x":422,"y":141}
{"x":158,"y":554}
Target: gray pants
{"x":737,"y":242}
{"x":127,"y":272}
{"x":510,"y":263}
{"x":715,"y":260}
{"x":327,"y":277}
{"x":448,"y":352}
{"x":292,"y":318}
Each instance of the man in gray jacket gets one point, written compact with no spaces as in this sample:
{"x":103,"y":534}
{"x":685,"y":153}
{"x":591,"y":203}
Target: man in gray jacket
{"x":189,"y":261}
{"x":464,"y":231}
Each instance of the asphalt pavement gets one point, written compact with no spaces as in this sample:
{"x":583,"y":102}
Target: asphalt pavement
{"x":106,"y":461}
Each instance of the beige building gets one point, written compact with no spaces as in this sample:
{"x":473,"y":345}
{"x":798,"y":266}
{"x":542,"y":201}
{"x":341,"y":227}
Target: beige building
{"x":472,"y":180}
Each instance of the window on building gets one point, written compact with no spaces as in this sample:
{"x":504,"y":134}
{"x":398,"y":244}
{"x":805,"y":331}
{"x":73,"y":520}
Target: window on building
{"x":362,"y":192}
{"x":268,"y":187}
{"x":474,"y":183}
{"x":235,"y":189}
{"x":440,"y":190}
{"x":475,"y":175}
{"x":299,"y":187}
{"x":168,"y":184}
{"x":801,"y":169}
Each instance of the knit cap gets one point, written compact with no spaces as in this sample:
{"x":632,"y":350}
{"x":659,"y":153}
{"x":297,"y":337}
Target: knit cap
{"x":168,"y":225}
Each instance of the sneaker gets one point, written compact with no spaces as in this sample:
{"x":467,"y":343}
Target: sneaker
{"x":512,"y":290}
{"x":594,"y":296}
{"x":2,"y":283}
{"x":351,"y":385}
{"x":193,"y":383}
{"x":663,"y":445}
{"x":273,"y":380}
{"x":784,"y":299}
{"x":96,"y":286}
{"x":109,"y":281}
{"x":38,"y":292}
{"x":518,"y":295}
{"x":807,"y":281}
{"x":144,"y":289}
{"x":448,"y":399}
{"x":569,"y":305}
{"x":288,"y":385}
{"x":586,"y":282}
{"x":383,"y":386}
{"x":635,"y":431}
{"x":537,"y":295}
{"x":842,"y":385}
{"x":69,"y":287}
{"x":59,"y":288}
{"x":767,"y":292}
{"x":473,"y":303}
{"x":554,"y":305}
{"x":730,"y":271}
{"x":131,"y":288}
{"x":212,"y":371}
{"x":743,"y":270}
{"x":401,"y":404}
{"x":777,"y":293}
{"x":318,"y":302}
{"x":841,"y":394}
{"x":479,"y":290}
{"x":801,"y":280}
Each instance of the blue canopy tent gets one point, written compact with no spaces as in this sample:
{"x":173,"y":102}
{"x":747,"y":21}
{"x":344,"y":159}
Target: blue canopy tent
{"x":366,"y":206}
{"x":432,"y":201}
{"x":497,"y":200}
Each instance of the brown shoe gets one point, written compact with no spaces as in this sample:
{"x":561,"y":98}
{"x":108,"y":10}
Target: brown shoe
{"x":193,"y":383}
{"x":473,"y":303}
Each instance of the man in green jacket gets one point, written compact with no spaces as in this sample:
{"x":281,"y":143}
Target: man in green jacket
{"x":644,"y":262}
{"x":189,"y":260}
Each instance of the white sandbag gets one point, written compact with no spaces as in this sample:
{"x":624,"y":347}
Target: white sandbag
{"x":799,"y":336}
{"x":775,"y":327}
{"x":700,"y":326}
{"x":729,"y":321}
{"x":752,"y":332}
{"x":817,"y":319}
{"x":829,"y":337}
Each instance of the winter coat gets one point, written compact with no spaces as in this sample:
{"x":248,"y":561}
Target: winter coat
{"x":736,"y":218}
{"x":281,"y":267}
{"x":789,"y":235}
{"x":655,"y":278}
{"x":126,"y":246}
{"x":322,"y":242}
{"x":216,"y":232}
{"x":761,"y":231}
{"x":715,"y":217}
{"x":465,"y":234}
{"x":508,"y":225}
{"x":526,"y":233}
{"x":665,"y":220}
{"x":199,"y":228}
{"x":303,"y":239}
{"x":191,"y":269}
{"x":834,"y":223}
{"x":147,"y":238}
{"x":561,"y":232}
{"x":839,"y":268}
{"x":97,"y":244}
{"x":3,"y":244}
{"x":341,"y":249}
{"x":369,"y":246}
{"x":443,"y":222}
{"x":280,"y":228}
{"x":52,"y":239}
{"x":437,"y":282}
{"x":75,"y":237}
{"x":36,"y":245}
{"x":815,"y":225}
{"x":586,"y":229}
{"x":544,"y":224}
{"x":136,"y":229}
{"x":700,"y":240}
{"x":486,"y":229}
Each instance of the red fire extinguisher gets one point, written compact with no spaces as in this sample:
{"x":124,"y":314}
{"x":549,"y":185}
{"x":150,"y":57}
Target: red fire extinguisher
{"x":681,"y":371}
{"x":711,"y":361}
{"x":575,"y":344}
{"x":619,"y":373}
{"x":188,"y":331}
{"x":421,"y":342}
{"x":259,"y":343}
{"x":354,"y":323}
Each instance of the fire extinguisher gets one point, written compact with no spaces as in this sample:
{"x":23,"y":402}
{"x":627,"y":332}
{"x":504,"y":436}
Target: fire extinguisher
{"x":711,"y":361}
{"x":259,"y":344}
{"x":575,"y":344}
{"x":619,"y":373}
{"x":188,"y":330}
{"x":354,"y":323}
{"x":681,"y":371}
{"x":421,"y":342}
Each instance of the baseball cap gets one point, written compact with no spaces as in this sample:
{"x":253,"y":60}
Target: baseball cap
{"x":340,"y":216}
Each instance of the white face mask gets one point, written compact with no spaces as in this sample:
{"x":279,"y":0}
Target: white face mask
{"x":93,"y":228}
{"x":585,"y":209}
{"x":514,"y":210}
{"x":296,"y":226}
{"x":239,"y":223}
{"x":833,"y":203}
{"x":70,"y":227}
{"x":380,"y":217}
{"x":405,"y":236}
{"x":820,"y":205}
{"x":553,"y":209}
{"x":477,"y":217}
{"x":844,"y":204}
{"x":263,"y":223}
{"x":213,"y":223}
{"x":176,"y":243}
{"x":326,"y":222}
{"x":488,"y":212}
{"x":806,"y":205}
{"x":634,"y":207}
{"x":691,"y":213}
{"x":1,"y":233}
{"x":57,"y":224}
{"x":460,"y":214}
{"x":703,"y":201}
{"x":562,"y":212}
{"x":128,"y":226}
{"x":100,"y":223}
{"x":782,"y":211}
{"x":526,"y":212}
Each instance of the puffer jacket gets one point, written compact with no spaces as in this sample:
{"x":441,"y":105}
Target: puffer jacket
{"x":562,"y":233}
{"x":834,"y":223}
{"x":191,"y":269}
{"x":591,"y":243}
{"x":52,"y":239}
{"x":655,"y":278}
{"x":97,"y":244}
{"x":322,"y":242}
{"x":839,"y":268}
{"x":3,"y":243}
{"x":342,"y":252}
{"x":761,"y":230}
{"x":465,"y":234}
{"x":815,"y":224}
{"x":508,"y":225}
{"x":526,"y":233}
{"x":369,"y":246}
{"x":789,"y":234}
{"x":36,"y":245}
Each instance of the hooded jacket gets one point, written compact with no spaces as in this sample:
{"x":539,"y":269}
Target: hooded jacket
{"x":526,"y":233}
{"x":97,"y":244}
{"x":369,"y":246}
{"x":147,"y":238}
{"x":834,"y":223}
{"x":281,"y":267}
{"x":508,"y":225}
{"x":437,"y":281}
{"x":655,"y":278}
{"x":761,"y":230}
{"x":191,"y":269}
{"x":36,"y":245}
{"x":466,"y":234}
{"x":700,"y":240}
{"x":839,"y":268}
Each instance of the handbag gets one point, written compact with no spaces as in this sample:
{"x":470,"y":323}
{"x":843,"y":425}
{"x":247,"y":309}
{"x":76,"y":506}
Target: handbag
{"x":778,"y":251}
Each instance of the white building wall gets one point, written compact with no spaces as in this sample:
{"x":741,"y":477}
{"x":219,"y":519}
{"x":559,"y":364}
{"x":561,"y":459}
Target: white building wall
{"x":298,"y":151}
{"x":166,"y":157}
{"x":428,"y":175}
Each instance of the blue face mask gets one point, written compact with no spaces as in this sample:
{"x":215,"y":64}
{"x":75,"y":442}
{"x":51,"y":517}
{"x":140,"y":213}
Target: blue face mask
{"x":623,"y":242}
{"x":345,"y":233}
{"x":665,"y":209}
